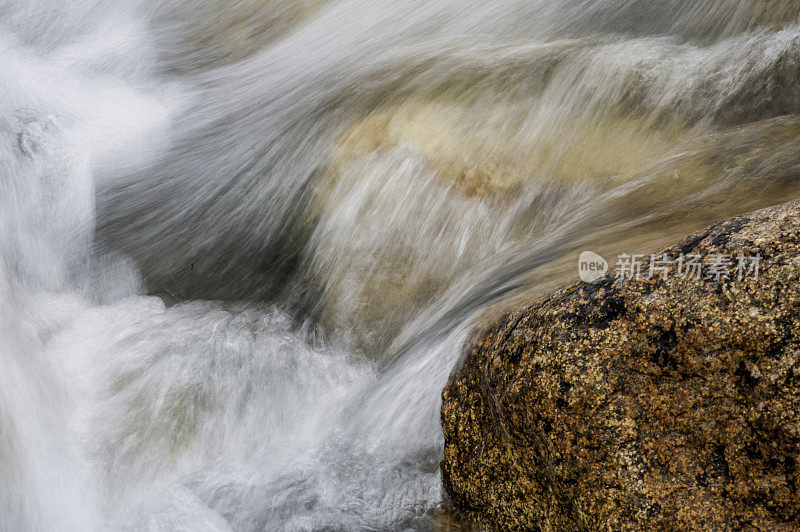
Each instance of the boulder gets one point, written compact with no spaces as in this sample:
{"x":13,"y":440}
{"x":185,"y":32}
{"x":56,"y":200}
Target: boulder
{"x":663,"y":403}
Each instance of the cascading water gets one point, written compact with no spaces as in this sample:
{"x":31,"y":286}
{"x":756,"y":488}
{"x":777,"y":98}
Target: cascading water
{"x":243,"y":243}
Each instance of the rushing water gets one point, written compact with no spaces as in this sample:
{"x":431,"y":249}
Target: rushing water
{"x":243,"y":242}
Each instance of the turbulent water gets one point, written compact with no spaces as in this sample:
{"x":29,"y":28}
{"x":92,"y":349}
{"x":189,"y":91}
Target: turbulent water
{"x":244,"y":242}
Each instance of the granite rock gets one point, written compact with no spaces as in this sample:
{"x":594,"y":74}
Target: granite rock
{"x":663,"y":403}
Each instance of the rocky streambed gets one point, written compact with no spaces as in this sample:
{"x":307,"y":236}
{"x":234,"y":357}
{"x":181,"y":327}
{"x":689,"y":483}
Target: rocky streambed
{"x":663,"y":403}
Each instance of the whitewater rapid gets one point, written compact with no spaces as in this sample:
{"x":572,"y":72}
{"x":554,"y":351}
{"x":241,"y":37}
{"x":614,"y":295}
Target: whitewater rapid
{"x":243,"y":243}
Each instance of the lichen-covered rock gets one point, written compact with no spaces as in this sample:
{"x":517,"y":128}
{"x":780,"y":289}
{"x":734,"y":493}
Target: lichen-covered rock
{"x":654,"y":404}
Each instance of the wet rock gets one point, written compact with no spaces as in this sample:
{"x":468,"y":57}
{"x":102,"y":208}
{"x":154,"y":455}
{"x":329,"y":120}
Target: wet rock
{"x":640,"y":404}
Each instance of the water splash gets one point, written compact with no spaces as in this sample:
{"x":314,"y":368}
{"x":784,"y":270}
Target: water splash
{"x":243,"y":244}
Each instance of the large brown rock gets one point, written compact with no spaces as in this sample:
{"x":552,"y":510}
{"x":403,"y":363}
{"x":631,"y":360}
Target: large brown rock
{"x":666,"y":404}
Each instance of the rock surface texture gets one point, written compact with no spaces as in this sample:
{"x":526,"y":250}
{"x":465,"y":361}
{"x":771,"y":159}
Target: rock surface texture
{"x":640,"y":404}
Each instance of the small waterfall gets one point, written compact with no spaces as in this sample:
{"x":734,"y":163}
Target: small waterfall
{"x":243,"y":243}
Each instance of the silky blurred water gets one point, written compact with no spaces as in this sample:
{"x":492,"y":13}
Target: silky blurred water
{"x":243,"y":243}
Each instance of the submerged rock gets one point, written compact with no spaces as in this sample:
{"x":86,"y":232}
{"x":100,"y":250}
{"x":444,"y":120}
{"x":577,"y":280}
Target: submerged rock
{"x":624,"y":404}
